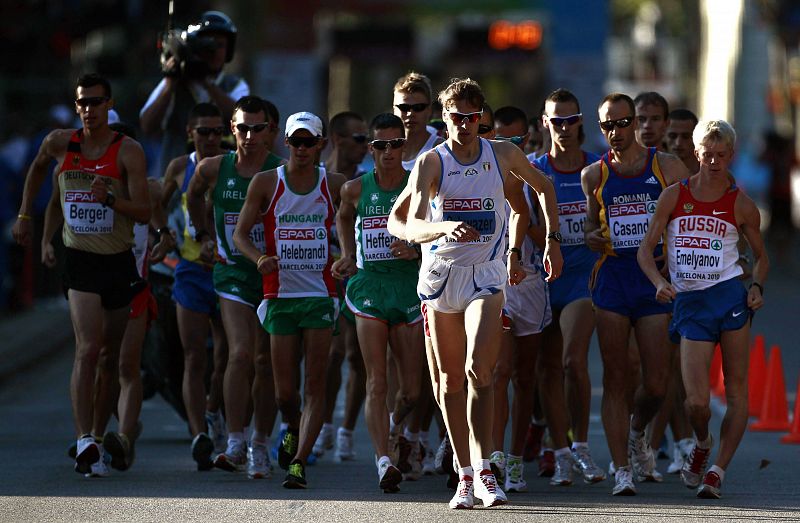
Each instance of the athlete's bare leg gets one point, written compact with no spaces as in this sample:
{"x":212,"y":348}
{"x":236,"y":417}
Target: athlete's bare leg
{"x":193,"y":328}
{"x":241,"y":326}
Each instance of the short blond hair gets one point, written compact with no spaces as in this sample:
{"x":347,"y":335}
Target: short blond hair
{"x":414,"y":82}
{"x":713,"y":130}
{"x":462,"y":89}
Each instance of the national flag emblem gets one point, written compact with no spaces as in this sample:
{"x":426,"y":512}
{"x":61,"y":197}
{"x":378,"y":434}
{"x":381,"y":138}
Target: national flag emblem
{"x":688,"y":207}
{"x":487,"y":166}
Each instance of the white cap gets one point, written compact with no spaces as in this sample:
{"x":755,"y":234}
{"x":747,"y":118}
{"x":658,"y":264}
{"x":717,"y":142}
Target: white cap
{"x":304,"y":120}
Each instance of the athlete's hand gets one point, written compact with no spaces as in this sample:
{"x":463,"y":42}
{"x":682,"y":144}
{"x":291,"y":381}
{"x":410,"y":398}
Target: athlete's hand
{"x":596,"y":241}
{"x":22,"y":231}
{"x":267,"y":264}
{"x":460,"y":231}
{"x":755,"y":300}
{"x":48,"y":255}
{"x":515,"y":271}
{"x":665,"y":292}
{"x":100,"y":188}
{"x":343,"y":268}
{"x":401,"y":249}
{"x":163,"y":247}
{"x":553,"y":261}
{"x":208,"y":252}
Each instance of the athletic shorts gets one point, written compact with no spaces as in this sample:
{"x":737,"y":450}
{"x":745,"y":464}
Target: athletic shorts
{"x":390,"y":298}
{"x":620,"y":286}
{"x":239,"y":283}
{"x":194,"y":287}
{"x":572,"y":285}
{"x":527,"y":306}
{"x":144,"y":302}
{"x":113,"y":276}
{"x":703,"y":315}
{"x":286,"y":316}
{"x":450,"y":288}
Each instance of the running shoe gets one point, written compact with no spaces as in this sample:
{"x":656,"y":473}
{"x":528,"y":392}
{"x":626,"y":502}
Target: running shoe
{"x":217,"y":430}
{"x":515,"y":482}
{"x":344,"y":445}
{"x":612,"y":469}
{"x":258,"y":465}
{"x":444,"y":456}
{"x":324,"y":440}
{"x":118,"y":446}
{"x":497,"y":462}
{"x":202,"y":448}
{"x":488,"y":491}
{"x":233,"y":459}
{"x":288,"y":448}
{"x":642,"y":459}
{"x":547,"y":463}
{"x":389,"y":477}
{"x":428,"y":460}
{"x":414,"y":461}
{"x":273,"y":451}
{"x":694,"y":468}
{"x":623,"y":482}
{"x":296,"y":476}
{"x":680,"y":453}
{"x":533,"y":442}
{"x":562,"y":477}
{"x":99,"y":469}
{"x":464,"y":498}
{"x":663,"y":449}
{"x":585,"y":465}
{"x":87,"y":452}
{"x":403,"y":453}
{"x":710,"y":488}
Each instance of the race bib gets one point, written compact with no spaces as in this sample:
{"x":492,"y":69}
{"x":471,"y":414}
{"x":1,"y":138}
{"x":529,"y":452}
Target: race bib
{"x":571,"y":216}
{"x":302,"y":249}
{"x":375,"y":239}
{"x":627,"y":223}
{"x":476,"y":212}
{"x":85,"y":215}
{"x":256,"y":233}
{"x":698,"y":258}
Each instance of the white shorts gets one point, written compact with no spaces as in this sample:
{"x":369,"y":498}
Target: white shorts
{"x":445,"y":287}
{"x":528,"y":306}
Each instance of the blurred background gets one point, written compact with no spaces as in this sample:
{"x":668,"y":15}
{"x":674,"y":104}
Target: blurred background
{"x":732,"y":59}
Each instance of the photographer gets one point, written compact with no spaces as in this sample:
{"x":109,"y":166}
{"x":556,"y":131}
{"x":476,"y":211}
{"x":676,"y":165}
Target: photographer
{"x":192,"y":62}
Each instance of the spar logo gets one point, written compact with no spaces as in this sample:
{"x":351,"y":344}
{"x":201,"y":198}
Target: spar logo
{"x":79,"y":197}
{"x":375,"y":222}
{"x":463,"y":204}
{"x":692,"y":242}
{"x":231,"y":218}
{"x":297,"y":234}
{"x":572,"y":208}
{"x":627,"y":209}
{"x":716,"y":245}
{"x":651,"y":207}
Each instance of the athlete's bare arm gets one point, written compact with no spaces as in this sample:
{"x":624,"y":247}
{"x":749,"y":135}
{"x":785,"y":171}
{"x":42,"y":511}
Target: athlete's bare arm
{"x":53,"y":219}
{"x":518,"y":225}
{"x":346,"y":228}
{"x":136,"y":204}
{"x":201,"y":187}
{"x":592,"y":232}
{"x":672,"y":167}
{"x":335,"y":183}
{"x":53,"y":147}
{"x":173,"y":178}
{"x":665,"y":292}
{"x":259,"y":196}
{"x":749,"y":219}
{"x":399,"y":214}
{"x":158,"y":220}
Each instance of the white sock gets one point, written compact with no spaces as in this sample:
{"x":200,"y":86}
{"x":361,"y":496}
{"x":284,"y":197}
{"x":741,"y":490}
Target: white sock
{"x":284,"y":426}
{"x":706,"y":444}
{"x":259,"y":438}
{"x":465,"y":472}
{"x":412,"y":437}
{"x":327,"y":427}
{"x":423,"y":437}
{"x":562,"y":451}
{"x":636,"y":433}
{"x":344,"y":431}
{"x":482,"y":465}
{"x":580,"y":445}
{"x":236,"y":437}
{"x":719,"y":471}
{"x":383,"y":459}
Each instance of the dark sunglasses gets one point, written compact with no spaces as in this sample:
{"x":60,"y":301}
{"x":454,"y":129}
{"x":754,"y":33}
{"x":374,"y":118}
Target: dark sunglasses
{"x":91,"y":101}
{"x":381,"y":145}
{"x":302,"y":141}
{"x":359,"y":138}
{"x":559,"y":121}
{"x":254,"y":128}
{"x":609,"y":125}
{"x":206,"y":131}
{"x":516,"y":140}
{"x":484,"y":129}
{"x":417,"y":108}
{"x":459,"y":118}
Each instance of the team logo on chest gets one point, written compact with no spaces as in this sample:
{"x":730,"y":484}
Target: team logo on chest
{"x":487,"y":166}
{"x":688,"y":208}
{"x":471,"y":172}
{"x":374,"y":198}
{"x":231,"y":182}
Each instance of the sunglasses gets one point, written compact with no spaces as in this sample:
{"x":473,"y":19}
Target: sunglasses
{"x":91,"y":101}
{"x":206,"y":131}
{"x":254,"y":128}
{"x":417,"y":108}
{"x":359,"y":138}
{"x":484,"y":129}
{"x":609,"y":125}
{"x":559,"y":121}
{"x":302,"y":141}
{"x":460,"y":118}
{"x":381,"y":145}
{"x":516,"y":140}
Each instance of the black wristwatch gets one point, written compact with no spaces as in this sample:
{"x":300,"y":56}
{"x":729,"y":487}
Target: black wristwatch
{"x":555,"y":236}
{"x":515,"y":250}
{"x":110,"y":200}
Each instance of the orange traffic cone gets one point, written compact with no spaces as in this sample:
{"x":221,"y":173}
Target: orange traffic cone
{"x":717,"y":375}
{"x":794,"y":434}
{"x":774,"y":410}
{"x":757,"y":377}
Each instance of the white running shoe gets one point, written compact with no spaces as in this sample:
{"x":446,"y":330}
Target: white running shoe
{"x":99,"y":469}
{"x":88,"y":452}
{"x":642,"y":459}
{"x":217,"y":430}
{"x":464,"y":497}
{"x":344,"y":445}
{"x":234,"y":458}
{"x":428,"y":466}
{"x":389,"y":477}
{"x":488,"y":491}
{"x":258,"y":465}
{"x":515,"y":482}
{"x":563,"y":474}
{"x":415,"y":461}
{"x":442,"y":455}
{"x":623,"y":479}
{"x":497,"y":461}
{"x":695,"y":467}
{"x":612,"y":469}
{"x":585,"y":465}
{"x":324,"y":440}
{"x":680,"y":453}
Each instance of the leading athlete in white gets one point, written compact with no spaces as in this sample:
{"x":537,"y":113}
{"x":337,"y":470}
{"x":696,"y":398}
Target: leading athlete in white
{"x":457,"y":211}
{"x":704,"y":217}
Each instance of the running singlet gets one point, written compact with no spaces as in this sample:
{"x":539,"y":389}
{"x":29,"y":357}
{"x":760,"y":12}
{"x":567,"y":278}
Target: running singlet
{"x":701,"y":241}
{"x":298,"y":232}
{"x":627,"y":203}
{"x":409,"y":164}
{"x":372,"y":236}
{"x":473,"y":194}
{"x":229,"y":195}
{"x":88,"y":224}
{"x":190,"y":250}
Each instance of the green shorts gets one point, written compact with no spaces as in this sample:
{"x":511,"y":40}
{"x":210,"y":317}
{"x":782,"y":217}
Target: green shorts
{"x":239,"y":283}
{"x":390,"y":298}
{"x":287,"y":316}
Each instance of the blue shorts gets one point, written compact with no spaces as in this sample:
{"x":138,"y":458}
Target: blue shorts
{"x":572,"y":285}
{"x":620,"y":286}
{"x":703,"y":315}
{"x":194,"y":288}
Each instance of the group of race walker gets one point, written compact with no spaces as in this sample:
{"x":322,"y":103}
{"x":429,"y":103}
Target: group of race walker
{"x":494,"y":266}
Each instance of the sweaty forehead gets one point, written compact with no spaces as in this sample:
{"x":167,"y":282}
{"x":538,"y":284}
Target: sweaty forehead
{"x":242,"y":117}
{"x":560,"y":108}
{"x":614,"y":110}
{"x":89,"y":92}
{"x":409,"y":98}
{"x":650,"y":110}
{"x":681,"y":126}
{"x":388,"y":134}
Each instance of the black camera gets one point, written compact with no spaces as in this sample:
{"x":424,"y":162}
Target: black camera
{"x":188,"y":46}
